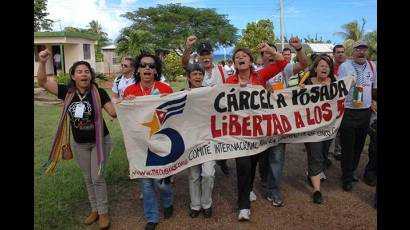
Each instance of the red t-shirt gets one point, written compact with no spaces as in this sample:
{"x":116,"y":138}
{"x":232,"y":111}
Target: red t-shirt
{"x":264,"y":74}
{"x":335,"y":69}
{"x":139,"y":90}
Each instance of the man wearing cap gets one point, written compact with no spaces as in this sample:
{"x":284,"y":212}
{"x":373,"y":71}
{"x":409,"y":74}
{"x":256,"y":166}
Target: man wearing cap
{"x":214,"y":74}
{"x":355,"y":123}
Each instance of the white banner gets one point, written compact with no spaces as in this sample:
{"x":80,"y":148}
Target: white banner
{"x":165,"y":135}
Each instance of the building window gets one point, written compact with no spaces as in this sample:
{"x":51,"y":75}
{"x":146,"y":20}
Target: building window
{"x":38,"y":49}
{"x":86,"y":51}
{"x":116,"y":60}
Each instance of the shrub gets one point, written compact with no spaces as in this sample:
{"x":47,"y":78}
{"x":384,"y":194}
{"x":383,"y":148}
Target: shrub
{"x":63,"y":78}
{"x":173,"y":66}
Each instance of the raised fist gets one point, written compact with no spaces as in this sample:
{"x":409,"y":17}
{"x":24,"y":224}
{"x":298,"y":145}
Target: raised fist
{"x":44,"y":55}
{"x":264,"y":47}
{"x":295,"y":42}
{"x":190,"y":41}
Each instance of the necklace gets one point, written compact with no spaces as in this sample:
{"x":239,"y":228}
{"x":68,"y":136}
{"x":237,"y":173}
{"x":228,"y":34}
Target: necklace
{"x":150,"y":89}
{"x":81,"y":97}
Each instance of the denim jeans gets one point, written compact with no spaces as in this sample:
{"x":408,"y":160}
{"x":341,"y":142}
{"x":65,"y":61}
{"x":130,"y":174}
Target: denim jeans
{"x":276,"y":161}
{"x":149,"y":187}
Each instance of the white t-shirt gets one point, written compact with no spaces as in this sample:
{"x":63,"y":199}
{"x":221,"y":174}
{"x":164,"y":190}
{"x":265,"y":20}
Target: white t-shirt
{"x":229,"y":69}
{"x":216,"y":77}
{"x":369,"y":82}
{"x":122,"y":85}
{"x":282,"y":77}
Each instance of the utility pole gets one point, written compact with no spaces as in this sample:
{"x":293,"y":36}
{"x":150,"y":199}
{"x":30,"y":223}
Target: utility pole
{"x":281,"y":23}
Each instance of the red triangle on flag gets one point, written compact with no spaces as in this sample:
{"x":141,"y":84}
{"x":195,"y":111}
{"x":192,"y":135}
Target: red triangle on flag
{"x":161,"y":115}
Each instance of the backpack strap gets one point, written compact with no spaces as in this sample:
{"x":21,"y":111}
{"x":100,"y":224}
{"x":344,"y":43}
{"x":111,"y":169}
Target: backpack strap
{"x":222,"y":73}
{"x":371,"y":67}
{"x":117,"y":82}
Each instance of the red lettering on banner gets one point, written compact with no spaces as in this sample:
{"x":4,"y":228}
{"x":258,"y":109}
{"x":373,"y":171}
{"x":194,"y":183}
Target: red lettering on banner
{"x":268,"y":119}
{"x":298,"y":120}
{"x":234,"y":126}
{"x":310,"y":120}
{"x":285,"y":123}
{"x":224,"y":126}
{"x":318,"y":114}
{"x":340,"y":107}
{"x":215,"y":132}
{"x":277,"y":127}
{"x":326,"y":112}
{"x":257,"y":129}
{"x":245,"y":127}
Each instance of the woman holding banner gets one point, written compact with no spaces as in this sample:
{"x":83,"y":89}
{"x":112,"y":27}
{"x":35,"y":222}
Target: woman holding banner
{"x":147,"y":82}
{"x":83,"y":103}
{"x":245,"y":74}
{"x":321,"y":73}
{"x":202,"y":176}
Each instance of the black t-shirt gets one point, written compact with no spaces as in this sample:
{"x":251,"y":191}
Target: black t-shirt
{"x":83,"y":128}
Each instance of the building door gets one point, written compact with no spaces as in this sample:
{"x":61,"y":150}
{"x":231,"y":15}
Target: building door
{"x":56,"y":57}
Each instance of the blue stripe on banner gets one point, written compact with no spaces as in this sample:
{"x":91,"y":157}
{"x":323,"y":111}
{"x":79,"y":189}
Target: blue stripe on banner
{"x":172,"y":114}
{"x":172,"y":102}
{"x":176,"y":108}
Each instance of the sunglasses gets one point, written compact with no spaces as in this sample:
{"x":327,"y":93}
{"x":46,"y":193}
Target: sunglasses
{"x":124,"y":65}
{"x":150,"y":65}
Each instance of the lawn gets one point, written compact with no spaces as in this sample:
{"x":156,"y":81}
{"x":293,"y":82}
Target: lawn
{"x":61,"y":198}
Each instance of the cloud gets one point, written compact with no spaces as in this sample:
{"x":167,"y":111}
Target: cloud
{"x":79,"y":13}
{"x":290,"y":12}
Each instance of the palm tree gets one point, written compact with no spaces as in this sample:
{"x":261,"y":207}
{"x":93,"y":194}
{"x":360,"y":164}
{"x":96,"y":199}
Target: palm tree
{"x":352,"y":33}
{"x":371,"y":38}
{"x":102,"y":41}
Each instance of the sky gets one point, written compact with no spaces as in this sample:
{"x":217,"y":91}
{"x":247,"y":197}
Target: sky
{"x":301,"y":17}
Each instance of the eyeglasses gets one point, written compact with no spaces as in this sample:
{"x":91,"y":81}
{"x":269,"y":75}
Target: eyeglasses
{"x":150,"y":65}
{"x":124,"y":65}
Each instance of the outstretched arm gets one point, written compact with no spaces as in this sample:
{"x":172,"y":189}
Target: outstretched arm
{"x":42,"y":80}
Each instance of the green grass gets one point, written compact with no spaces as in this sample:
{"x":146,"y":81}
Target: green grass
{"x":61,"y":200}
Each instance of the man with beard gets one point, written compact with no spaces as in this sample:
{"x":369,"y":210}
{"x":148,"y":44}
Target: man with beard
{"x":355,"y":123}
{"x":214,"y":74}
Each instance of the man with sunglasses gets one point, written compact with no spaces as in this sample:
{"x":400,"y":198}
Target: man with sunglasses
{"x":355,"y":124}
{"x":214,"y":74}
{"x":124,"y":80}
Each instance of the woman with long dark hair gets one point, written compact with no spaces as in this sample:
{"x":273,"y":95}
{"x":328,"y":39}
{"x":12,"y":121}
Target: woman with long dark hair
{"x":83,"y":103}
{"x":321,"y":73}
{"x":147,"y":82}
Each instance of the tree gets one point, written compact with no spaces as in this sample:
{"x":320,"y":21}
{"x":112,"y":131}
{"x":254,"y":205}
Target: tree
{"x":371,"y":38}
{"x":352,"y":33}
{"x":309,"y":39}
{"x":173,"y":66}
{"x":102,"y":40}
{"x":166,"y":27}
{"x":40,"y":14}
{"x":255,"y":33}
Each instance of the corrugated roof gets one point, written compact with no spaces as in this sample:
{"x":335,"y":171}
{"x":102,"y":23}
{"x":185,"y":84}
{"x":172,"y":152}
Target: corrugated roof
{"x":315,"y":47}
{"x":321,"y":47}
